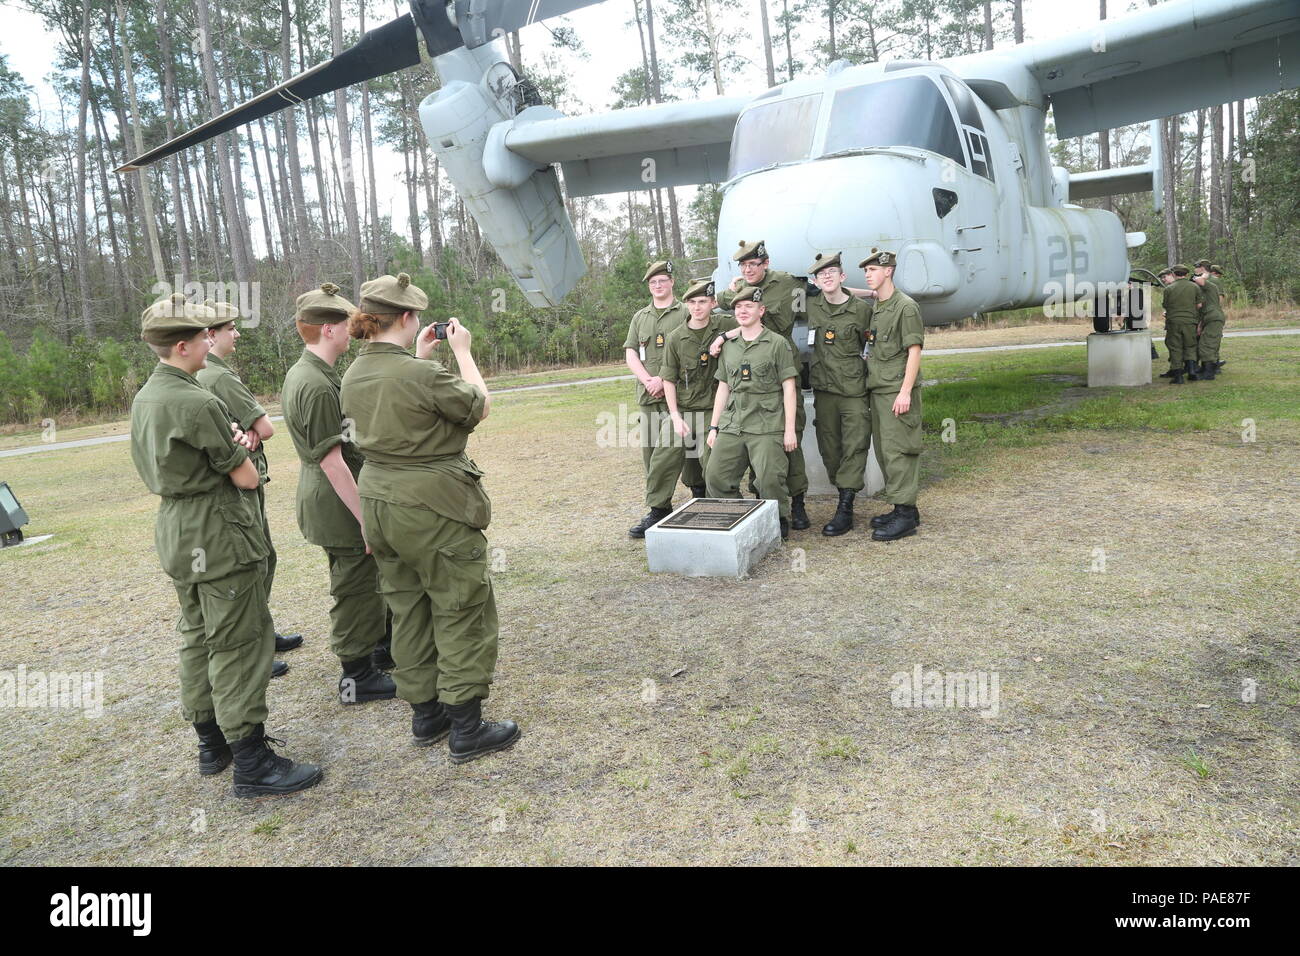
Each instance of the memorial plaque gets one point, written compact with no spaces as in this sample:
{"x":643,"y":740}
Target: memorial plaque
{"x":711,"y":514}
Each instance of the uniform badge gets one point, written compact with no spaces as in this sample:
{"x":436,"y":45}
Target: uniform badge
{"x":704,"y":359}
{"x":760,"y":250}
{"x":659,"y":340}
{"x":829,"y":337}
{"x":668,"y":267}
{"x":758,"y":295}
{"x":745,"y":373}
{"x":709,"y":290}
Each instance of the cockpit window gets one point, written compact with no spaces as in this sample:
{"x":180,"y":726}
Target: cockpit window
{"x":779,"y":132}
{"x":908,"y":111}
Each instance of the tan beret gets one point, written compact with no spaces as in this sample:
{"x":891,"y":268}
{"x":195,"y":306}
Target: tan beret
{"x":174,"y":318}
{"x":750,"y":250}
{"x":661,"y":267}
{"x":323,"y":306}
{"x":699,"y":287}
{"x":749,"y":293}
{"x":878,"y":258}
{"x":825,"y":261}
{"x":224,"y":311}
{"x":390,"y":294}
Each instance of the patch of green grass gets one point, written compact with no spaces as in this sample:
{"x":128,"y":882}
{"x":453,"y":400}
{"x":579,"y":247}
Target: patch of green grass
{"x":766,"y":744}
{"x":743,"y":720}
{"x":1195,"y":763}
{"x":738,"y":769}
{"x":850,"y":846}
{"x":841,"y":747}
{"x":632,"y":780}
{"x":269,"y":825}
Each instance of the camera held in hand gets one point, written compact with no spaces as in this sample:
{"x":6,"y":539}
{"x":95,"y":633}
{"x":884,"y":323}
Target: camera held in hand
{"x":440,"y":330}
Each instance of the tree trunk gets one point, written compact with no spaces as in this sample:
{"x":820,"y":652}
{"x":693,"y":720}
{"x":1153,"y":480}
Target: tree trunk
{"x":988,"y":24}
{"x":1216,"y":177}
{"x":83,"y":244}
{"x":1198,"y":165}
{"x":345,"y":150}
{"x":714,"y":56}
{"x":304,"y":249}
{"x":163,"y":33}
{"x":232,"y":204}
{"x":1018,"y":20}
{"x":830,"y":17}
{"x":1169,"y":130}
{"x":137,"y":142}
{"x":767,"y":44}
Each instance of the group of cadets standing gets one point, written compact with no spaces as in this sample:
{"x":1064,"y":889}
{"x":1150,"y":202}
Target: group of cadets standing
{"x":1193,"y":304}
{"x":744,"y":374}
{"x":403,"y":537}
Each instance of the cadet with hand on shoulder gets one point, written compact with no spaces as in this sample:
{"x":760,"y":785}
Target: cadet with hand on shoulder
{"x":424,"y":511}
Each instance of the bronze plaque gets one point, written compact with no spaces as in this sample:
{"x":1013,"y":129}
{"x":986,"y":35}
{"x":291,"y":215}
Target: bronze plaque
{"x":711,"y":514}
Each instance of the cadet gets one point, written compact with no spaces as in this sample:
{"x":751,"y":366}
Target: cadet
{"x":784,"y":297}
{"x":220,"y":379}
{"x":688,"y":376}
{"x":647,"y":340}
{"x":1212,"y":318}
{"x":425,"y":510}
{"x":329,"y":511}
{"x":837,"y":328}
{"x":210,"y":543}
{"x":754,"y":409}
{"x":1217,"y":272}
{"x":894,"y":341}
{"x":1183,"y":301}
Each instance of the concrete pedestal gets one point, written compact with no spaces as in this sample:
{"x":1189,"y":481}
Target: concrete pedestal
{"x":1119,"y":358}
{"x":730,"y":554}
{"x":818,"y":482}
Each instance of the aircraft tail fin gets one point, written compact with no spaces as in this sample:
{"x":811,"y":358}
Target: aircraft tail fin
{"x":1125,"y":179}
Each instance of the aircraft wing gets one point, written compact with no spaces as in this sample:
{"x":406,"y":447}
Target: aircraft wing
{"x":1167,"y":59}
{"x":668,"y":144}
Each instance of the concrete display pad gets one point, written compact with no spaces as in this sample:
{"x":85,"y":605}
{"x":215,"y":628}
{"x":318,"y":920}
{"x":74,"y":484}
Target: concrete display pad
{"x":1119,"y":358}
{"x":697,"y":553}
{"x":818,"y":482}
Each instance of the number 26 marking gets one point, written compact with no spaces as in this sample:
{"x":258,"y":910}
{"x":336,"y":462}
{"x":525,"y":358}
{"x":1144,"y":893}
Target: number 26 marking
{"x":1060,"y":261}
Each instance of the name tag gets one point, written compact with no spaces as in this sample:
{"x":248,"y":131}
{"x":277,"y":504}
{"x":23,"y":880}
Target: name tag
{"x":643,"y":351}
{"x":812,"y":336}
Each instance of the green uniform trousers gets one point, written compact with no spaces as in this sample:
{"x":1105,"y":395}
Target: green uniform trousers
{"x":662,"y":453}
{"x":227,"y":644}
{"x":266,"y":530}
{"x":1180,"y":339}
{"x":765,"y":454}
{"x":843,"y":424}
{"x":434,"y":574}
{"x":358,"y":614}
{"x":695,"y":450}
{"x":1211,"y":338}
{"x":898,"y":445}
{"x":796,"y":473}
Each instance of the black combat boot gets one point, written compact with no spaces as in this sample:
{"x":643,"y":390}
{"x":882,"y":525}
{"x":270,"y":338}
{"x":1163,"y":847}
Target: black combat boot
{"x":1177,"y":377}
{"x":472,"y":736}
{"x":699,"y":491}
{"x":430,"y":722}
{"x":279,"y":668}
{"x":1167,"y":374}
{"x":1189,"y":369}
{"x":785,"y":528}
{"x":879,"y":521}
{"x":361,"y":683}
{"x":214,"y":752}
{"x":1218,"y":366}
{"x":382,"y":656}
{"x":1208,"y":371}
{"x":261,"y":772}
{"x":287,"y":642}
{"x":798,"y":516}
{"x":905,"y":521}
{"x":842,"y":520}
{"x":655,"y":516}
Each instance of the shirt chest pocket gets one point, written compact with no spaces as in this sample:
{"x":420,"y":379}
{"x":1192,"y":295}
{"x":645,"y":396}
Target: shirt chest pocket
{"x":765,"y":374}
{"x":888,"y":343}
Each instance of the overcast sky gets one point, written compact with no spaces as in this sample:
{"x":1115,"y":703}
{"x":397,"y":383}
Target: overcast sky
{"x":612,"y":46}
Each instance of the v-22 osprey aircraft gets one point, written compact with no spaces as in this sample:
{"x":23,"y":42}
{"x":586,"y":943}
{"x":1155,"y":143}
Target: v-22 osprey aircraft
{"x":944,"y":162}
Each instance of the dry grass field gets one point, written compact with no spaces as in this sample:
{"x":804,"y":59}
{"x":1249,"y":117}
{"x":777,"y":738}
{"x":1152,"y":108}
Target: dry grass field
{"x":1123,"y":562}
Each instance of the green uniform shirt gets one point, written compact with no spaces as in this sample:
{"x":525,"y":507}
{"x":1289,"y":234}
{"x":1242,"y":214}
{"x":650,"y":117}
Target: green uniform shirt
{"x":895,"y":326}
{"x":837,"y":333}
{"x":1181,"y":298}
{"x":412,"y":418}
{"x":648,"y":334}
{"x":315,"y":421}
{"x":782,"y":292}
{"x":183,"y":450}
{"x":755,"y":372}
{"x":1213,"y":308}
{"x":688,"y":364}
{"x":220,"y":379}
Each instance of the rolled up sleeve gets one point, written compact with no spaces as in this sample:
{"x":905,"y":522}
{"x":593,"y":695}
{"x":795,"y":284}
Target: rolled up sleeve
{"x":211,"y":433}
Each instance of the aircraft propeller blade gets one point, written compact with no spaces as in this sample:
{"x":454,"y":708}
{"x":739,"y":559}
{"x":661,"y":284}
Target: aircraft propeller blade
{"x":386,"y":49}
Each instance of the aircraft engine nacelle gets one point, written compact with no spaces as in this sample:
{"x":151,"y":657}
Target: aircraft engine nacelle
{"x":1070,"y":252}
{"x":518,"y":207}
